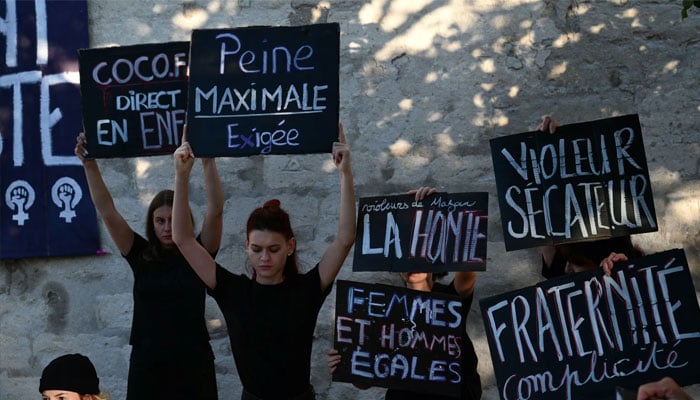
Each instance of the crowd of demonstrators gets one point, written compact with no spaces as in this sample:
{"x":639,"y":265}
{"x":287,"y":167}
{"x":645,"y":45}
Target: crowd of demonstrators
{"x":271,"y":314}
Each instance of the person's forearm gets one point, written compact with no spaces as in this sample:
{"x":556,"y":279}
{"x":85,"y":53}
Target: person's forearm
{"x":118,"y":228}
{"x":212,"y":184}
{"x":182,"y":223}
{"x":98,"y":189}
{"x":212,"y":226}
{"x":464,"y":282}
{"x":347,"y":221}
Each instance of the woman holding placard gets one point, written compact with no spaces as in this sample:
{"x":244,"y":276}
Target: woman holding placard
{"x":463,"y":286}
{"x":171,"y":356}
{"x":571,"y":258}
{"x":270,"y":317}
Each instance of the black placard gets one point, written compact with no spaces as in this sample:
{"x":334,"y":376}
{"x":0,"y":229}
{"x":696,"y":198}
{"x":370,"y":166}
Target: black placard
{"x":588,"y":181}
{"x":444,"y":232}
{"x":264,"y":90}
{"x":398,"y":338}
{"x":580,"y":336}
{"x":134,"y":98}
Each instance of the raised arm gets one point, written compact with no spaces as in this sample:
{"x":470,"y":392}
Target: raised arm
{"x":464,"y":283}
{"x":213,"y":218}
{"x":183,"y":232}
{"x":118,"y":228}
{"x":335,"y":255}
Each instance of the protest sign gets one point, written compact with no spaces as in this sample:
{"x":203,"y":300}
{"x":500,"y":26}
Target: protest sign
{"x":444,"y":232}
{"x":587,"y":181}
{"x":580,"y":336}
{"x":45,"y":207}
{"x":395,"y":337}
{"x":134,"y":98}
{"x":264,"y":90}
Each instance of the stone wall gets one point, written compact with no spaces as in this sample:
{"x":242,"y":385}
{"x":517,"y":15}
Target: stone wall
{"x":424,"y":85}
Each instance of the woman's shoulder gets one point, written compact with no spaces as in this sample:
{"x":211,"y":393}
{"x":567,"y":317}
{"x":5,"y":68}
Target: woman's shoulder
{"x":226,"y":274}
{"x":311,"y":274}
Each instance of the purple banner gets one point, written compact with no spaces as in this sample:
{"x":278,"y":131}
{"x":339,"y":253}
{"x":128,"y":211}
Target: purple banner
{"x":45,"y":207}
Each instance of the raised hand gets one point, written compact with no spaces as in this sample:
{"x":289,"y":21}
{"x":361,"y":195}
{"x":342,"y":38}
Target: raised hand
{"x":548,"y":125}
{"x":80,"y":150}
{"x":664,"y":389}
{"x":609,"y":262}
{"x":333,"y":360}
{"x":341,"y":151}
{"x":422,"y":192}
{"x":183,"y":155}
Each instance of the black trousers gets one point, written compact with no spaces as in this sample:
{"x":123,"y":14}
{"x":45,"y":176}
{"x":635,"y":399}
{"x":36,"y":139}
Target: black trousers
{"x":172,"y":373}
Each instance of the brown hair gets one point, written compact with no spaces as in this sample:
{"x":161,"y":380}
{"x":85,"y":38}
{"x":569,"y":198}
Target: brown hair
{"x":590,"y":254}
{"x":155,"y":249}
{"x":271,"y":217}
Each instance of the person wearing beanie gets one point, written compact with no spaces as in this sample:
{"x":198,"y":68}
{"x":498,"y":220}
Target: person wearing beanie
{"x":70,"y":377}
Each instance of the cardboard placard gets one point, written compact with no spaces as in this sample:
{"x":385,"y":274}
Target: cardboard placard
{"x":444,"y":232}
{"x":580,"y":336}
{"x":264,"y":90}
{"x":134,"y":98}
{"x":398,"y":338}
{"x":587,"y":181}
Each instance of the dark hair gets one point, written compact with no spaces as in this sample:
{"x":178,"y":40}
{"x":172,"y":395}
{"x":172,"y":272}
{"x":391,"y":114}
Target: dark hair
{"x":155,"y":249}
{"x":271,"y":217}
{"x":590,"y":254}
{"x":163,"y":198}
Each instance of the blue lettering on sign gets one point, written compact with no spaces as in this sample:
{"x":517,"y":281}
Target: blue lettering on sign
{"x":264,"y":141}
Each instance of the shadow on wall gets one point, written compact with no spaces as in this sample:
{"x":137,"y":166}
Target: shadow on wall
{"x":432,"y":81}
{"x":448,"y":76}
{"x":58,"y":304}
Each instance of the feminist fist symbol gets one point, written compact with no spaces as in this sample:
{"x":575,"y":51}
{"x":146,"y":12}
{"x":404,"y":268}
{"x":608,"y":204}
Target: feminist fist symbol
{"x":66,"y":194}
{"x":19,"y":197}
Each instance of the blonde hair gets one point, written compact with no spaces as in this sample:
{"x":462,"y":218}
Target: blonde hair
{"x":102,"y":396}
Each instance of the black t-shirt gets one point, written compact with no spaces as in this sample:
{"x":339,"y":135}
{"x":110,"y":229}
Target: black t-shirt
{"x":271,"y":329}
{"x":556,"y":269}
{"x":471,"y":381}
{"x":168,"y":300}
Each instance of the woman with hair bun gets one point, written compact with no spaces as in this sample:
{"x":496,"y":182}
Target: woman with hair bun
{"x":270,"y":317}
